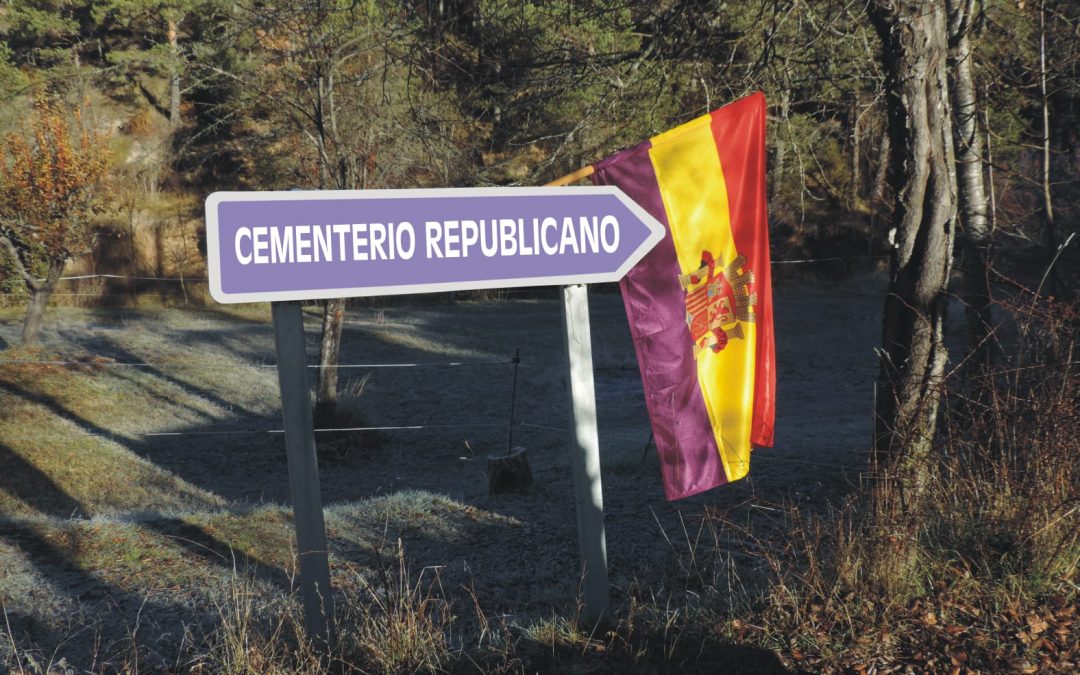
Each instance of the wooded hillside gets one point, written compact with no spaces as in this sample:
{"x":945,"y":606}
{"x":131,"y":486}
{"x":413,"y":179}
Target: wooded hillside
{"x":203,"y":95}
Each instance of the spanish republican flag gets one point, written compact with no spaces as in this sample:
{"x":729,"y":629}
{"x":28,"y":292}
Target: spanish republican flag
{"x":700,"y":303}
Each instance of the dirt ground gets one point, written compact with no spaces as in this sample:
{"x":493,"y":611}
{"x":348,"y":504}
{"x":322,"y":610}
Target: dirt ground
{"x":208,"y":375}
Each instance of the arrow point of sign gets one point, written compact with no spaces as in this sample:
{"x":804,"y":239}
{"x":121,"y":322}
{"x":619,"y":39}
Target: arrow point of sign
{"x":656,"y":230}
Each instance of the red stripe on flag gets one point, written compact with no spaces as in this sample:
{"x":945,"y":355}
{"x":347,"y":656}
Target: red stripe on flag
{"x":739,"y":131}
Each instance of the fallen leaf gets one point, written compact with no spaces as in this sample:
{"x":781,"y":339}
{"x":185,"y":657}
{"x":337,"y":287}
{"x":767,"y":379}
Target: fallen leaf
{"x":1035,"y":624}
{"x":959,"y":656}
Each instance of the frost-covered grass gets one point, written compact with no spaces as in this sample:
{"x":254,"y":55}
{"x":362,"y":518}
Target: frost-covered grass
{"x":122,"y":549}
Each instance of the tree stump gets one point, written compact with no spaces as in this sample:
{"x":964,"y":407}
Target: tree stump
{"x":509,"y":473}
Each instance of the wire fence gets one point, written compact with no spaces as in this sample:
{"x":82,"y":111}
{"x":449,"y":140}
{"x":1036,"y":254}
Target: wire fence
{"x":93,"y":363}
{"x":115,"y":435}
{"x":644,"y":438}
{"x":768,"y":456}
{"x":203,"y":280}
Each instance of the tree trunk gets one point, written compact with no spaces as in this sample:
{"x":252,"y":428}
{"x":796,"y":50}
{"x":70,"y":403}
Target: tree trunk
{"x":856,"y":174}
{"x":777,"y":173}
{"x":991,"y":198}
{"x":329,"y":352}
{"x":174,"y":74}
{"x":39,"y":299}
{"x":1049,"y":235}
{"x":970,"y":182}
{"x":333,"y":310}
{"x":881,"y":177}
{"x":921,"y":172}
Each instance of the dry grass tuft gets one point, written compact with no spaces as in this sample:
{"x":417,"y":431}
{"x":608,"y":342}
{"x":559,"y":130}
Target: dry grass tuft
{"x":983,"y":576}
{"x":403,"y":626}
{"x":253,"y":639}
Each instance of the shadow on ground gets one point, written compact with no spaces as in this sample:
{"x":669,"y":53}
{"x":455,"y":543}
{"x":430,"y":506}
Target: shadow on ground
{"x":523,"y":565}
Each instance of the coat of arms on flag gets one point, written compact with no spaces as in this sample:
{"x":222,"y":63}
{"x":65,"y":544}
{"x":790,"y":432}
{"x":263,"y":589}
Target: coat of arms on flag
{"x":718,"y":304}
{"x":700,"y":303}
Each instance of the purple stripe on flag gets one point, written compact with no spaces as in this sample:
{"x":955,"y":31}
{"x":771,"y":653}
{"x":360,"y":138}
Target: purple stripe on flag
{"x":656,"y":308}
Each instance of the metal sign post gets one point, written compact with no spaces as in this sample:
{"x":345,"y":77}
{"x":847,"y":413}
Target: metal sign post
{"x":585,"y":452}
{"x":311,"y":548}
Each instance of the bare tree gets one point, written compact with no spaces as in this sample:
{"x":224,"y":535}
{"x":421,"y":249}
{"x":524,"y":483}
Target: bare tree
{"x":914,"y":38}
{"x":1049,"y":233}
{"x":333,"y":82}
{"x":973,"y":202}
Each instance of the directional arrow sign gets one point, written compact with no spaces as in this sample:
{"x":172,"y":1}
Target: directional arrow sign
{"x":306,"y":245}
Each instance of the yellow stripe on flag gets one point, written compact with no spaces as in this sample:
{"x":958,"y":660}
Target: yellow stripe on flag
{"x":692,"y":186}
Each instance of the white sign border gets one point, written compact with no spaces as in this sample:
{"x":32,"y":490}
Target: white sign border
{"x":656,"y":234}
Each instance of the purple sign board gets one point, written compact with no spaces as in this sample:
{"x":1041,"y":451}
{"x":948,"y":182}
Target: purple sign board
{"x":307,"y":245}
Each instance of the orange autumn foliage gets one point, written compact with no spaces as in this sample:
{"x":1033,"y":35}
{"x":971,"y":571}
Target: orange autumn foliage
{"x":49,"y":188}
